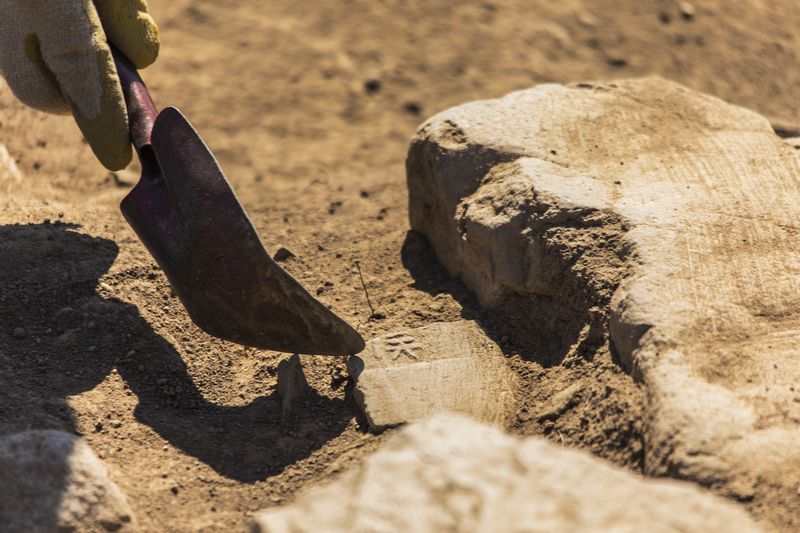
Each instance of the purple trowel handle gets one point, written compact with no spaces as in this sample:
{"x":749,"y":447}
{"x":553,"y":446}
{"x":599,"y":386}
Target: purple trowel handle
{"x":142,"y":111}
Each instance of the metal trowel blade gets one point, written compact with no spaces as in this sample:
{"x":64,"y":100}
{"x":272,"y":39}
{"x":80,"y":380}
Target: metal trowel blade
{"x":187,"y":215}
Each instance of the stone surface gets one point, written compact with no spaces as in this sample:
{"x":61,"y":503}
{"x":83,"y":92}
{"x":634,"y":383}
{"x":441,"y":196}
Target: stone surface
{"x":448,"y":366}
{"x":52,"y":481}
{"x":673,"y":212}
{"x":292,"y":383}
{"x":453,"y":474}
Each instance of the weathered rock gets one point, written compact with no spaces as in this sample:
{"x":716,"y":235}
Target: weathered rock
{"x":410,"y":375}
{"x":52,"y":481}
{"x":292,"y":383}
{"x":453,"y":474}
{"x":673,"y":211}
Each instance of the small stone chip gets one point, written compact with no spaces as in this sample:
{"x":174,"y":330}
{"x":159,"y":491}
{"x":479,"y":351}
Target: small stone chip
{"x":282,"y":254}
{"x":8,"y":167}
{"x":687,"y":10}
{"x":292,"y":383}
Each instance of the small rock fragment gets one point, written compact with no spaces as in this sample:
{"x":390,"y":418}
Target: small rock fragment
{"x":282,"y":254}
{"x":105,"y":286}
{"x":412,"y":108}
{"x":687,"y":10}
{"x":410,"y":375}
{"x":586,"y":19}
{"x":8,"y":167}
{"x":292,"y":383}
{"x":53,"y":481}
{"x":19,"y":333}
{"x":450,"y":473}
{"x":372,"y":86}
{"x":560,"y":402}
{"x":617,"y":61}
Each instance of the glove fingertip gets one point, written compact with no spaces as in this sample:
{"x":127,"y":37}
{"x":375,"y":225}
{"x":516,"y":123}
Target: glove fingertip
{"x":143,"y":48}
{"x":107,"y":135}
{"x":114,"y":157}
{"x":131,"y":28}
{"x":113,"y":151}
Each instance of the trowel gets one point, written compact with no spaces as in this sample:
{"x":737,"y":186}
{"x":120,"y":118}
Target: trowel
{"x":188,"y":217}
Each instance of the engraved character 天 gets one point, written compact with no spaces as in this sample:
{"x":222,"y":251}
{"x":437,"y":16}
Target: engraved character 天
{"x":401,"y":344}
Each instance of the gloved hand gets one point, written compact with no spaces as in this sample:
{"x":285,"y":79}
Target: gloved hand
{"x":55,"y":56}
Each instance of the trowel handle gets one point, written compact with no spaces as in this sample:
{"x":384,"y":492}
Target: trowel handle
{"x":142,"y":111}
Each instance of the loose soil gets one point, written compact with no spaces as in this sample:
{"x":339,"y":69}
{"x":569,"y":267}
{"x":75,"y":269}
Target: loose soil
{"x":309,"y":109}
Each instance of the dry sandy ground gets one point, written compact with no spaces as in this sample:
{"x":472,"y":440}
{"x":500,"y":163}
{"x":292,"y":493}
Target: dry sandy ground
{"x":309,"y":107}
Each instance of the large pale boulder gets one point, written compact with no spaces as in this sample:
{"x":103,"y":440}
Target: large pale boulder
{"x":53,"y":481}
{"x":674,"y":214}
{"x":450,"y":473}
{"x":444,"y":367}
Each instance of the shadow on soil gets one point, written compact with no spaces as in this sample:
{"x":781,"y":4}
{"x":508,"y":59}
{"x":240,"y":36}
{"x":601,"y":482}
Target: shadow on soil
{"x":537,"y":327}
{"x":60,"y":338}
{"x":571,"y":389}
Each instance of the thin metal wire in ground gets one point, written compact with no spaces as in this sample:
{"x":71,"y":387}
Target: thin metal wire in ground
{"x":373,"y":314}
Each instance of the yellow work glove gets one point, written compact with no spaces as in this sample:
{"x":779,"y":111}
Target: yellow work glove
{"x":55,"y":56}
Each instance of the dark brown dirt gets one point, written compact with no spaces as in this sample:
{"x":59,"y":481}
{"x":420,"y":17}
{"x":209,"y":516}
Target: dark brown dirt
{"x":310,"y":108}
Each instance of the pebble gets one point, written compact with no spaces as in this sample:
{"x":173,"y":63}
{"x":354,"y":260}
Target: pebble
{"x":560,"y":402}
{"x":587,"y":20}
{"x":412,"y":108}
{"x":372,"y":86}
{"x":20,"y":333}
{"x":283,"y":253}
{"x":687,"y":10}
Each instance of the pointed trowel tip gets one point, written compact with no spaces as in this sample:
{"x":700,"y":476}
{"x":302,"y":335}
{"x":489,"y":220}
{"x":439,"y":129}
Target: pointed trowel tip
{"x":354,"y":343}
